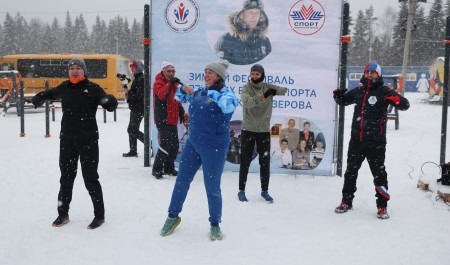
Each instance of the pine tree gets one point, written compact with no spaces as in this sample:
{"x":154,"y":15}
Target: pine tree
{"x":9,"y":36}
{"x":69,"y":36}
{"x":420,"y":42}
{"x":358,"y":51}
{"x":22,"y":33}
{"x":137,"y":34}
{"x":36,"y":35}
{"x":435,"y":28}
{"x":81,"y":42}
{"x":399,"y":35}
{"x":99,"y":36}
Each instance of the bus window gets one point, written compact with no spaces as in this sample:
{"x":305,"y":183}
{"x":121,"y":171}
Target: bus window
{"x":7,"y":67}
{"x":355,"y":76}
{"x":27,"y":67}
{"x":97,"y":68}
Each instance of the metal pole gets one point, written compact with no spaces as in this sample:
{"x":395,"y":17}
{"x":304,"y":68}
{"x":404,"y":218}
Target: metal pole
{"x":342,"y":85}
{"x":104,"y":115}
{"x":411,"y":9}
{"x":147,"y":96}
{"x":445,"y":92}
{"x":47,"y":114}
{"x":22,"y":115}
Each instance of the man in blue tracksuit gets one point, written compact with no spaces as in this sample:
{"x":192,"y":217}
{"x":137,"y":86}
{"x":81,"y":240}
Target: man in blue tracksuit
{"x":211,"y":107}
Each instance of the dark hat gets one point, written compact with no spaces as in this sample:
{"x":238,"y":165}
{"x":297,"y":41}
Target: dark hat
{"x":252,"y":4}
{"x":80,"y":62}
{"x":260,"y":69}
{"x":219,"y":67}
{"x":257,"y":68}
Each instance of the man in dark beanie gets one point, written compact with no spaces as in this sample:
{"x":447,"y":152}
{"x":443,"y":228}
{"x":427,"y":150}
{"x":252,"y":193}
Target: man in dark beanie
{"x":78,"y":137}
{"x":257,"y":99}
{"x":246,"y":43}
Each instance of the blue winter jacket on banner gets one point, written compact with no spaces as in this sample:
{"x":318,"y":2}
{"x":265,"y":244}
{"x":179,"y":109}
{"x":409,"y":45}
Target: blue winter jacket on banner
{"x":210,"y":114}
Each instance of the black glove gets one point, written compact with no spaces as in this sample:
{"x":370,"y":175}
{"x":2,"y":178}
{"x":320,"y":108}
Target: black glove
{"x":109,"y":102}
{"x":270,"y":92}
{"x":38,"y":100}
{"x":181,"y":113}
{"x":339,"y":93}
{"x":176,"y":80}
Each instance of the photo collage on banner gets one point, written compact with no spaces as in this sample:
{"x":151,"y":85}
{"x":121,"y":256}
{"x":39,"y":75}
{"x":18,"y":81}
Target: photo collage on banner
{"x":297,"y":43}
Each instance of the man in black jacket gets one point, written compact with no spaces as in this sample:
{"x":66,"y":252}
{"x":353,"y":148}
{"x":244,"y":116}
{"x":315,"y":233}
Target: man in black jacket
{"x":368,"y":135}
{"x":78,"y":137}
{"x":136,"y":104}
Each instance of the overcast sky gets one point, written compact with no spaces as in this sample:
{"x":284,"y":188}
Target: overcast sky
{"x":46,"y":10}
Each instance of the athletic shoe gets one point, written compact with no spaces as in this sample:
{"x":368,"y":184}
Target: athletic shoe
{"x":96,"y":222}
{"x":342,"y":208}
{"x":61,"y":220}
{"x":130,"y":154}
{"x":170,"y":225}
{"x":215,"y":233}
{"x":382,"y":213}
{"x":266,"y":196}
{"x":241,"y":196}
{"x":158,"y":175}
{"x":171,"y":172}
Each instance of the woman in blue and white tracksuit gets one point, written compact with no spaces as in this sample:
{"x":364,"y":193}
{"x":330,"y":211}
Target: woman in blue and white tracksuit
{"x":211,"y":107}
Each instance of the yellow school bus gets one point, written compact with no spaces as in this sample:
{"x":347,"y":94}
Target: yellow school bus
{"x":35,"y":69}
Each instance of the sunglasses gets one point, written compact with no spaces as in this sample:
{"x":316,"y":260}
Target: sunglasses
{"x":170,"y":71}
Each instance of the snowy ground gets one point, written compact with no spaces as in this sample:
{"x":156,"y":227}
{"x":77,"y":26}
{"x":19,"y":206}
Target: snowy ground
{"x":300,"y":227}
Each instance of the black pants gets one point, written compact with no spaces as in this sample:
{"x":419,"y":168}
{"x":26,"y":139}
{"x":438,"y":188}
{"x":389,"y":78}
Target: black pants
{"x":87,"y":152}
{"x":168,"y":148}
{"x":133,"y":130}
{"x":248,"y":141}
{"x":375,"y":154}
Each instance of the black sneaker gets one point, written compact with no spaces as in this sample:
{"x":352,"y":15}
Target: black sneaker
{"x":61,"y":220}
{"x":130,"y":154}
{"x":171,"y":172}
{"x":96,"y":222}
{"x":158,"y":175}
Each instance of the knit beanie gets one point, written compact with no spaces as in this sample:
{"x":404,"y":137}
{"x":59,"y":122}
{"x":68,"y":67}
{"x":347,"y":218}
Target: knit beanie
{"x":374,"y":67}
{"x":166,"y":64}
{"x":80,"y":62}
{"x":219,"y":67}
{"x":260,"y":69}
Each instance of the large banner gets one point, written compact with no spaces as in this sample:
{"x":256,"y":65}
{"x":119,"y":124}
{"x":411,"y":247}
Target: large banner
{"x":297,"y":43}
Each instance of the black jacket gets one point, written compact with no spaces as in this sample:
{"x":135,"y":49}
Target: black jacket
{"x":136,"y":94}
{"x":79,"y":106}
{"x":370,"y":114}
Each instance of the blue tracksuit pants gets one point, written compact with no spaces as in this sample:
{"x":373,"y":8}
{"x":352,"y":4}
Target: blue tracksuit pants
{"x":212,"y":159}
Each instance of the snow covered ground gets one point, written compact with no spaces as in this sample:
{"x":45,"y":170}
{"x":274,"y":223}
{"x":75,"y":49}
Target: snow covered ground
{"x":300,"y":227}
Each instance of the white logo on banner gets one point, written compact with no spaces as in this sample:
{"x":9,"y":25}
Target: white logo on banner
{"x":307,"y":17}
{"x":182,"y":15}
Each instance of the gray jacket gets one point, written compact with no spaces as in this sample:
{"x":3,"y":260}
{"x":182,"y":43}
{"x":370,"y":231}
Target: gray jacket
{"x":257,"y":113}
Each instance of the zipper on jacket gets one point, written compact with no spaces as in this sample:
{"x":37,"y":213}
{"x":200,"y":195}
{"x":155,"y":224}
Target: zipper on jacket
{"x":362,"y":112}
